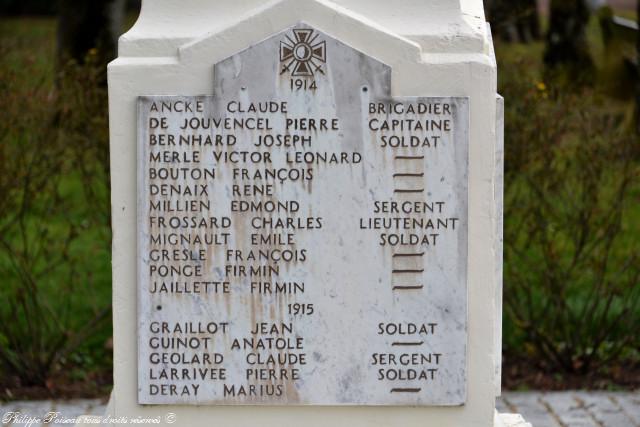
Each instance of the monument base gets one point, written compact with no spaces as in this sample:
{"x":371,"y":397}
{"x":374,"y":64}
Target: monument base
{"x":510,"y":420}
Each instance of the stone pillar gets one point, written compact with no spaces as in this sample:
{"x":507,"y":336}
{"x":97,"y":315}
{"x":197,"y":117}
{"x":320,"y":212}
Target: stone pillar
{"x":432,"y":55}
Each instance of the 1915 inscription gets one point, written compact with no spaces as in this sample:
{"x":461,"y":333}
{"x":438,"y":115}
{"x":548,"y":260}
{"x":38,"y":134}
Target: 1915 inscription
{"x":302,"y":235}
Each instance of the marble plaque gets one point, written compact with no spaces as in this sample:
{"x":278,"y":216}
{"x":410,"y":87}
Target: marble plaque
{"x":302,"y":235}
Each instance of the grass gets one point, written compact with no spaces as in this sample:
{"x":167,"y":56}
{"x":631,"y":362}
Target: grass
{"x":29,"y":44}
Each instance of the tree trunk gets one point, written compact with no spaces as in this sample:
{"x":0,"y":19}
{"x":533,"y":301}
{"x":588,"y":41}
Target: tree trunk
{"x":88,"y":30}
{"x":566,"y":38}
{"x":530,"y":22}
{"x":513,"y":20}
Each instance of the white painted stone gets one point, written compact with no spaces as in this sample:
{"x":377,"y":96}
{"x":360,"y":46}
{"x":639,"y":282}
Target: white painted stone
{"x":511,"y":420}
{"x":438,"y":26}
{"x":499,"y":198}
{"x":441,"y":49}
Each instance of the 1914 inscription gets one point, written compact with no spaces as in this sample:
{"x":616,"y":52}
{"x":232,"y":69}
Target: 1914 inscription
{"x":302,"y":235}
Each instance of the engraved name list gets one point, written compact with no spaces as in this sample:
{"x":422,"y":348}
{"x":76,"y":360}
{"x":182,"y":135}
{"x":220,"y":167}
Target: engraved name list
{"x":302,"y":235}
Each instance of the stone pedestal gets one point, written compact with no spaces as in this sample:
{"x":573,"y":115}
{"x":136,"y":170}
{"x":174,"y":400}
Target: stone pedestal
{"x":421,"y":52}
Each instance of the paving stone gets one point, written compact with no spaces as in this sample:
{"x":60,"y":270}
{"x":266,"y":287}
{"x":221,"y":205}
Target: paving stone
{"x":528,"y":404}
{"x":630,"y":403}
{"x":96,"y":407}
{"x":30,"y":409}
{"x":33,"y":407}
{"x":502,"y":406}
{"x":604,"y":410}
{"x":4,"y":408}
{"x":73,"y":408}
{"x":570,"y":411}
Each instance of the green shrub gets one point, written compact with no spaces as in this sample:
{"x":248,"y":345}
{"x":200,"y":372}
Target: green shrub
{"x":572,"y":299}
{"x":54,"y":222}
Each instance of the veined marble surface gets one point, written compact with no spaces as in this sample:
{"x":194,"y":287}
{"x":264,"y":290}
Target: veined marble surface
{"x":301,"y":173}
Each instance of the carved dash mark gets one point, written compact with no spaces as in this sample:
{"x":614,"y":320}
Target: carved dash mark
{"x":399,"y":255}
{"x":415,"y":175}
{"x":408,"y":179}
{"x":409,"y":157}
{"x":420,"y":190}
{"x":405,"y":390}
{"x":406,"y":343}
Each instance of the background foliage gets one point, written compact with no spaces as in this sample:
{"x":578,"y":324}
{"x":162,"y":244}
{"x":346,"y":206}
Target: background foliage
{"x":54,"y":214}
{"x":571,"y":225}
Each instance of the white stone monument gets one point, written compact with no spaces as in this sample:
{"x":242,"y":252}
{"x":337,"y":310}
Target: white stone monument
{"x":307,"y":214}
